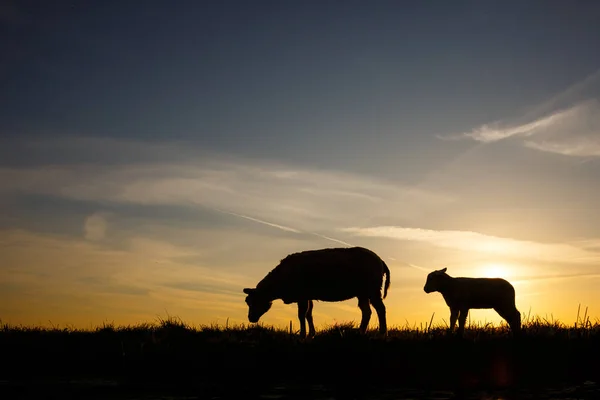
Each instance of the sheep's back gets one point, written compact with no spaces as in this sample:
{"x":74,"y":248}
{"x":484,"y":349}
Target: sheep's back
{"x":330,"y":274}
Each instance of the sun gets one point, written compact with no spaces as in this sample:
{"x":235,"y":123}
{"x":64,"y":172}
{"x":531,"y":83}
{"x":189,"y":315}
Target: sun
{"x":495,"y":270}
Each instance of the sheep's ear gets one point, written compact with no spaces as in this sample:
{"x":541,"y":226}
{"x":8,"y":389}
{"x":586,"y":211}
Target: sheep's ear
{"x":444,"y":270}
{"x":249,"y":290}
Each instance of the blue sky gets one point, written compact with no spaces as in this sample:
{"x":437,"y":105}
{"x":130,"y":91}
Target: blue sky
{"x":165,"y":156}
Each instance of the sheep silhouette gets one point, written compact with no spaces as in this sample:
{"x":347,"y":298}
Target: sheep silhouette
{"x":462,"y":294}
{"x":331,"y":275}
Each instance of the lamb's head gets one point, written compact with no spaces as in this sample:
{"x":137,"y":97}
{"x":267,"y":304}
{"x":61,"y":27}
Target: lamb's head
{"x":435,"y":280}
{"x":258,"y":304}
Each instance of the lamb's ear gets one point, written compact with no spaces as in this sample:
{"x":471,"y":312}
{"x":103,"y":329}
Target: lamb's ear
{"x":444,"y":270}
{"x":249,"y":290}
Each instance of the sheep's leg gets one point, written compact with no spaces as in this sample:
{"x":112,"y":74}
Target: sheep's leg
{"x":502,"y":312}
{"x":453,"y":317}
{"x":309,"y":318}
{"x":365,"y":307}
{"x":302,"y":311}
{"x":380,"y":308}
{"x":462,"y":318}
{"x":512,"y":316}
{"x":515,"y":324}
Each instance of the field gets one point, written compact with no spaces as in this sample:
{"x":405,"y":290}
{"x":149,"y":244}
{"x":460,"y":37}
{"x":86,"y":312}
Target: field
{"x":169,"y":354}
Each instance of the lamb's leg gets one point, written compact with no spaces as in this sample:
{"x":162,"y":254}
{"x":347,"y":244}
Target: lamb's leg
{"x":302,"y":311}
{"x":377,"y":302}
{"x":462,"y":319}
{"x":365,"y":307}
{"x":309,"y":318}
{"x":453,"y":317}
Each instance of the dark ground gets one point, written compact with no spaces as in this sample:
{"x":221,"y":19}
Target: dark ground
{"x":173,"y":361}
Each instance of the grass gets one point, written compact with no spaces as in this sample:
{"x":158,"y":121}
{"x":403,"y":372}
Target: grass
{"x":170,"y":351}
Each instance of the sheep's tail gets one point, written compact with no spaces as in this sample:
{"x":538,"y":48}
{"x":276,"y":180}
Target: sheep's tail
{"x":386,"y":271}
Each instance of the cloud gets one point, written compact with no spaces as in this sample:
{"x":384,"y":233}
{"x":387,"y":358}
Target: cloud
{"x":287,"y":197}
{"x":494,"y":132}
{"x":571,"y":132}
{"x":567,"y":124}
{"x":95,"y":227}
{"x":478,"y":242}
{"x":579,"y":147}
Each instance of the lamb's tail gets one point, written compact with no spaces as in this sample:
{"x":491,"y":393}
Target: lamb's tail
{"x":386,"y":271}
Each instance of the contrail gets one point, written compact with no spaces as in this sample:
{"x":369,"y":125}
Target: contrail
{"x":288,"y":229}
{"x":332,"y":239}
{"x":282,"y":227}
{"x":417,"y":267}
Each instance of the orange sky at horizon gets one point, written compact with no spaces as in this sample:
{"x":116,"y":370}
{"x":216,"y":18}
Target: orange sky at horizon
{"x":139,"y":294}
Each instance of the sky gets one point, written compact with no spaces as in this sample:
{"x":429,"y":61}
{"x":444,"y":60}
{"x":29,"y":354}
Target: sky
{"x":156,"y":159}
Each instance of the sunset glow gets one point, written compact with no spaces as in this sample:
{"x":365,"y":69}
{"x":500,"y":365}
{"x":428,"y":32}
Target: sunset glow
{"x":495,"y":270}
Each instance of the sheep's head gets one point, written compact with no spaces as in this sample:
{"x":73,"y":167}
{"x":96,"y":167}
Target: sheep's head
{"x":435,"y":280}
{"x":257,"y":304}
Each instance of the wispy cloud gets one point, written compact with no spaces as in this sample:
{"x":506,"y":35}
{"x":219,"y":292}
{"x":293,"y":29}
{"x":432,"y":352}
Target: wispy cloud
{"x":495,"y":132}
{"x":579,"y":147}
{"x":571,"y":132}
{"x":571,"y":129}
{"x":287,"y":197}
{"x":478,"y":242}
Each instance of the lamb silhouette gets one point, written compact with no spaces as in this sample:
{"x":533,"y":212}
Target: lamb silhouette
{"x":333,"y":274}
{"x":462,"y":294}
